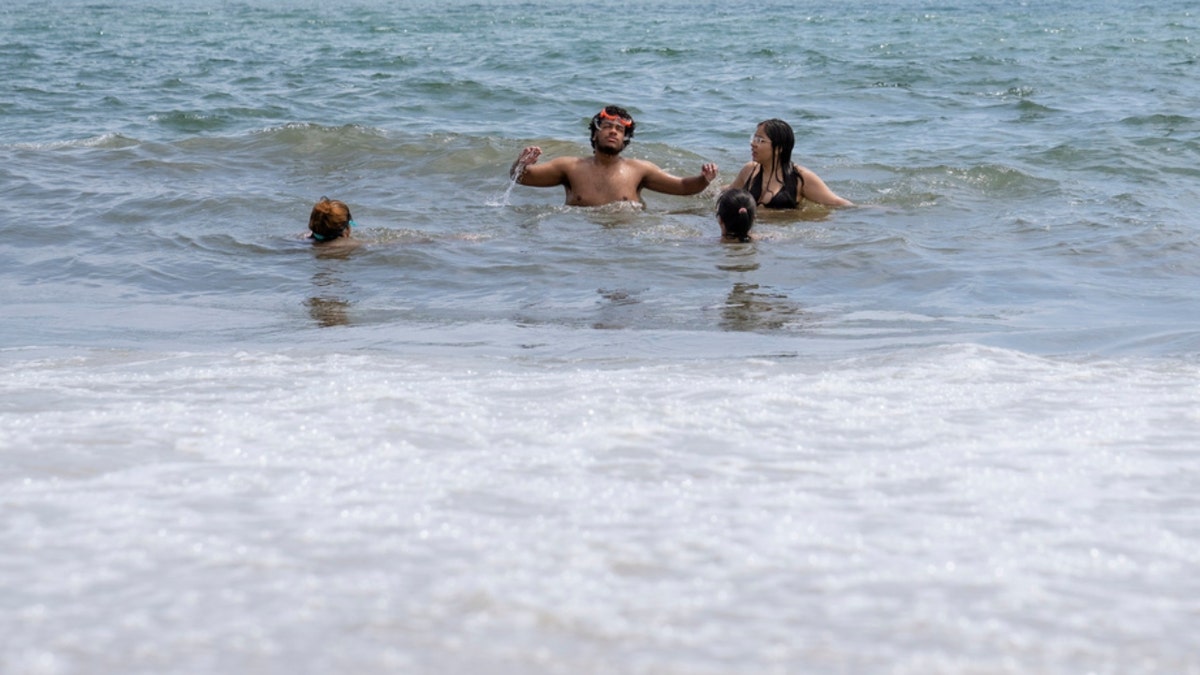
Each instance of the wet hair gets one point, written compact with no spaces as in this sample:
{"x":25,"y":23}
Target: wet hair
{"x":783,"y":140}
{"x":329,"y":219}
{"x":735,"y":209}
{"x":616,"y":111}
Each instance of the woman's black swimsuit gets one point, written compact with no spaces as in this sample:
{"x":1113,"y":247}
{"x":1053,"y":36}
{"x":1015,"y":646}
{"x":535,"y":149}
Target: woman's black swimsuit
{"x":786,"y":198}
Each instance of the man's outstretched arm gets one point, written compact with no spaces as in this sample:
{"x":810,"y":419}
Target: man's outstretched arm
{"x":660,"y":181}
{"x":526,"y":171}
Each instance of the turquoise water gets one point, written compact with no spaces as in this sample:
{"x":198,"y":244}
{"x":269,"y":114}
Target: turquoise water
{"x":953,"y":428}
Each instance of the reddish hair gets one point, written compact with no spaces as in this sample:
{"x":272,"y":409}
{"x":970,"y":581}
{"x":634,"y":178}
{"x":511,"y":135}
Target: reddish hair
{"x":329,"y":219}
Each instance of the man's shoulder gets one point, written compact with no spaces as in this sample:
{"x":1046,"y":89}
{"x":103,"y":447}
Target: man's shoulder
{"x":567,"y":161}
{"x":570,"y":163}
{"x":643,"y":166}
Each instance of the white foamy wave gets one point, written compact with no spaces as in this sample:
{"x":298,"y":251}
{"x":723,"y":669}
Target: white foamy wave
{"x":713,"y":511}
{"x":106,"y":140}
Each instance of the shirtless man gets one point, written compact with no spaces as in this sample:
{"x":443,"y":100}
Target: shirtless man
{"x":606,"y":177}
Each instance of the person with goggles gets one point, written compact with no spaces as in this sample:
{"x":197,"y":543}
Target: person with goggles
{"x":606,"y":177}
{"x":330,"y":223}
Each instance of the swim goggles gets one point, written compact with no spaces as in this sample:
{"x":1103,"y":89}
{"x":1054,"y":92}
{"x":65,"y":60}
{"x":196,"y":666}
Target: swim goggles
{"x":320,"y":237}
{"x":623,"y":121}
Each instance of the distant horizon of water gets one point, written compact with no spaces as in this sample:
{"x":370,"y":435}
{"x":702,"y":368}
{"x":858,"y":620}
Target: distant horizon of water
{"x":954,"y":428}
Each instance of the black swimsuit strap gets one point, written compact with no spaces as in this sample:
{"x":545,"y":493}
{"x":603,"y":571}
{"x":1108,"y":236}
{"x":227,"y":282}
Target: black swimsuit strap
{"x":792,"y":197}
{"x":754,"y":183}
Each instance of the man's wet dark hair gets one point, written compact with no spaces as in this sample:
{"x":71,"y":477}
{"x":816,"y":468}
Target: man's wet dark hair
{"x":612,"y":111}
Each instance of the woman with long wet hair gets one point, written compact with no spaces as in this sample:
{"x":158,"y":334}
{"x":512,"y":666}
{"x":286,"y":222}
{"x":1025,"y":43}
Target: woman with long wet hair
{"x":773,"y":179}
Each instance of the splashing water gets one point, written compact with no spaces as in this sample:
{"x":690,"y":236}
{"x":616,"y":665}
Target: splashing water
{"x":502,"y":199}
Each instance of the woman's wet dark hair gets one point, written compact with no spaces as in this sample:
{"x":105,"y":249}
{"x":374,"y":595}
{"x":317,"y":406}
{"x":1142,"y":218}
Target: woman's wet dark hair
{"x":735,"y":208}
{"x":612,"y":111}
{"x":782,"y":138}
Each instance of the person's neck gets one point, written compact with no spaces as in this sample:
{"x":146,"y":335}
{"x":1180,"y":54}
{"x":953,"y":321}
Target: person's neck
{"x":606,"y":158}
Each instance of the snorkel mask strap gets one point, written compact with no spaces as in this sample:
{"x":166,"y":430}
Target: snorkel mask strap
{"x":321,"y":237}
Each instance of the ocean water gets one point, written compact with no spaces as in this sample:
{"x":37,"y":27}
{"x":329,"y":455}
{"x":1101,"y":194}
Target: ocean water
{"x":952,"y":429}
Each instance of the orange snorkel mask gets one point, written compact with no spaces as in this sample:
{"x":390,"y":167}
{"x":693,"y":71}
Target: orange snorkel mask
{"x":605,"y":117}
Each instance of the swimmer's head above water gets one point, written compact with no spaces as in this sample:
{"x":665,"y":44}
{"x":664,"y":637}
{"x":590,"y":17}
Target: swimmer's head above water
{"x":330,"y":219}
{"x":612,"y":117}
{"x":735,"y":213}
{"x":781,"y":138}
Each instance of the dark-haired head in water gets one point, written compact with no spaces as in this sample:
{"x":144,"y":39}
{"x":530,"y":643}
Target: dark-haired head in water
{"x":614,"y":117}
{"x":735,"y":213}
